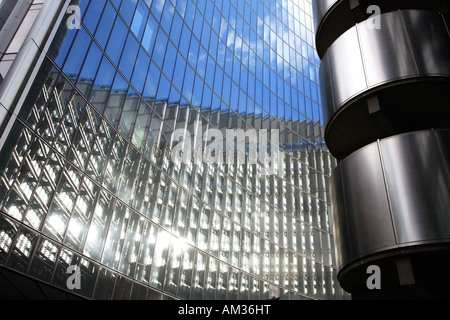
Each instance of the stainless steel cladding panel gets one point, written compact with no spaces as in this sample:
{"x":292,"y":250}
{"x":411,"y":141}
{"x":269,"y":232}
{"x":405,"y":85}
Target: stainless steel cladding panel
{"x":366,"y":214}
{"x":386,"y":51}
{"x":333,"y":17}
{"x":418,"y":186}
{"x":326,"y":89}
{"x":385,"y":89}
{"x":363,"y":58}
{"x":404,"y":73}
{"x":346,"y":68}
{"x":391,"y":194}
{"x":444,"y":143}
{"x":429,"y":40}
{"x":320,"y":8}
{"x":341,"y":232}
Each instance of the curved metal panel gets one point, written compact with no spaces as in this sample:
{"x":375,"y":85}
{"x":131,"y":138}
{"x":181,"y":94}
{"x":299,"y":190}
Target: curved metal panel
{"x":391,"y":190}
{"x":366,"y":203}
{"x":386,"y":51}
{"x":391,"y":194}
{"x":341,"y":232}
{"x":447,"y":22}
{"x":346,"y":68}
{"x":404,"y":73}
{"x":332,"y":18}
{"x":387,"y":54}
{"x":418,"y":187}
{"x":444,"y":144}
{"x":320,"y":8}
{"x":326,"y":90}
{"x":429,"y":40}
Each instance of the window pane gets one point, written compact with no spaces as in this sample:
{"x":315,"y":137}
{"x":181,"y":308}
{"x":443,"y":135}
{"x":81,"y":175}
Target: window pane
{"x":117,"y":41}
{"x":20,"y":256}
{"x":140,"y":71}
{"x":159,"y":259}
{"x":76,"y":56}
{"x":106,"y":24}
{"x":149,"y":35}
{"x":140,"y":17}
{"x":93,"y":14}
{"x":129,"y":56}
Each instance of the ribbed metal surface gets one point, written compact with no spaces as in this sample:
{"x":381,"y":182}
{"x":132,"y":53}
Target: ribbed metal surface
{"x":362,"y":59}
{"x":334,"y":17}
{"x":410,"y":49}
{"x":385,"y":79}
{"x":392,"y":194}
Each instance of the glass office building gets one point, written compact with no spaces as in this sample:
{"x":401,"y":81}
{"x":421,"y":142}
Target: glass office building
{"x":92,"y":94}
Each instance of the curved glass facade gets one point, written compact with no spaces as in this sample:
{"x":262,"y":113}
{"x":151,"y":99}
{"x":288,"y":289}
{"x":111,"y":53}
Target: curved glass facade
{"x":87,"y":171}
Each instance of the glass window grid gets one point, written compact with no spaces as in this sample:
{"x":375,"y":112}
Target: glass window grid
{"x":274,"y":224}
{"x":312,"y":50}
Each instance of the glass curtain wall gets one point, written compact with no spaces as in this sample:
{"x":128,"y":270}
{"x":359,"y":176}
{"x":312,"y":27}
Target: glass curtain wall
{"x":87,"y":176}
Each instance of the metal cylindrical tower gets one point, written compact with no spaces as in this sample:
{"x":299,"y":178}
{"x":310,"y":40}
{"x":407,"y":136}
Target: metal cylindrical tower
{"x":385,"y":84}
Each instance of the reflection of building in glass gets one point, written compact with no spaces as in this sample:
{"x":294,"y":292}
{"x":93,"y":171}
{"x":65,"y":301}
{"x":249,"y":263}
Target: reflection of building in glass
{"x":86,"y":171}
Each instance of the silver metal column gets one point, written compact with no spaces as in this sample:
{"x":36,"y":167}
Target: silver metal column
{"x":385,"y":77}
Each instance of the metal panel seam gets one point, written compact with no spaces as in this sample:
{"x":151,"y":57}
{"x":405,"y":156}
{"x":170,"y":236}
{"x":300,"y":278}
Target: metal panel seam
{"x":441,"y":154}
{"x":408,"y":40}
{"x":386,"y":186}
{"x":446,"y":25}
{"x":361,"y":51}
